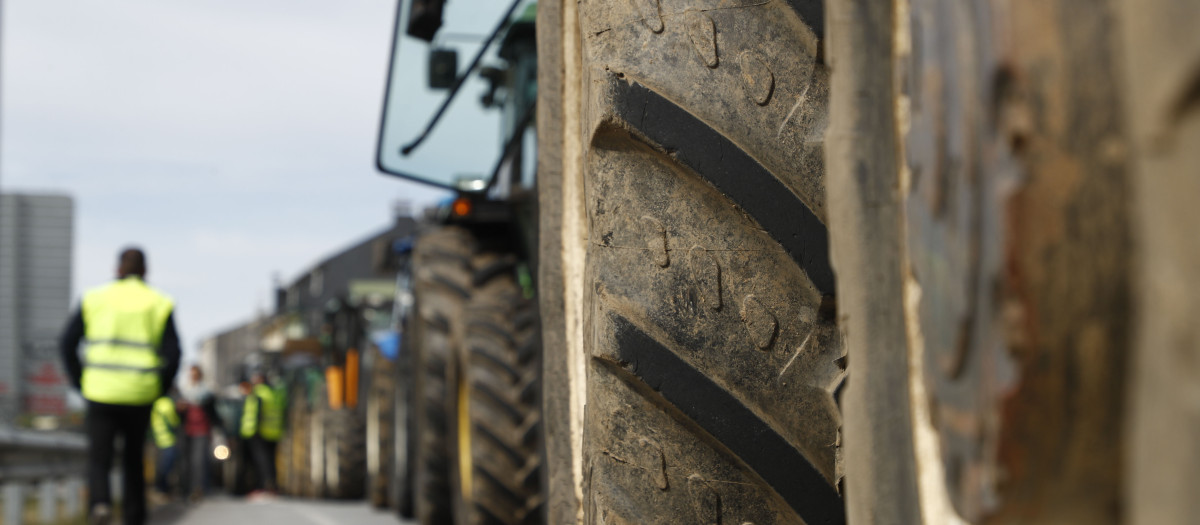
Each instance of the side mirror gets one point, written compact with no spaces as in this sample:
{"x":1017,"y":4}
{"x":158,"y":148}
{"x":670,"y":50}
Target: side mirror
{"x":443,"y":68}
{"x":425,"y":18}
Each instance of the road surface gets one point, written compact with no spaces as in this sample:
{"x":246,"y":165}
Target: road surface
{"x":277,"y":511}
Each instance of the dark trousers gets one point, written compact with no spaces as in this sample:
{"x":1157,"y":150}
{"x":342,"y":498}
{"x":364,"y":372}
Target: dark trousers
{"x":166,"y":462}
{"x":197,"y":454}
{"x":263,"y":452}
{"x":104,"y":423}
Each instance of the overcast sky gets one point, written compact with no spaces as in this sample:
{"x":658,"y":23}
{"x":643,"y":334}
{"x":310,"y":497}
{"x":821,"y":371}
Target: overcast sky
{"x":231,"y":139}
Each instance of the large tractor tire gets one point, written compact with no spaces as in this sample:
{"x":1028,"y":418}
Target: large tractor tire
{"x":380,"y":428}
{"x":982,"y":183}
{"x":497,"y":399}
{"x":297,"y":477}
{"x":476,"y":349}
{"x":1162,"y":58}
{"x":315,"y":487}
{"x":403,"y":460}
{"x":992,"y":259}
{"x":440,"y":262}
{"x":283,"y":465}
{"x":685,"y":245}
{"x":345,"y":454}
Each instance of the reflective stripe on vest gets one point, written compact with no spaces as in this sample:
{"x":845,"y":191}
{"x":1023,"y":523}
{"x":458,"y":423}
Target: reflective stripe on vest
{"x":119,"y":342}
{"x":123,"y":324}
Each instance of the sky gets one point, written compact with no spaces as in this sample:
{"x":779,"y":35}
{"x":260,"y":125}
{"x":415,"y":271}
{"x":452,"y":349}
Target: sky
{"x":233,"y":140}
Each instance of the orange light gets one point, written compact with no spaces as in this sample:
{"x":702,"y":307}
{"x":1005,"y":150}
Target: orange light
{"x":461,"y":207}
{"x":351,"y":378}
{"x":335,"y":386}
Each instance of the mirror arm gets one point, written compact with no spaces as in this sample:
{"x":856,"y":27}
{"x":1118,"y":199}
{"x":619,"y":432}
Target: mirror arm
{"x":408,"y":148}
{"x":513,"y":141}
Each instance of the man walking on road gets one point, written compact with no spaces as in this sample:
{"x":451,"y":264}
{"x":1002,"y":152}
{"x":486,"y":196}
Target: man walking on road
{"x":131,"y":358}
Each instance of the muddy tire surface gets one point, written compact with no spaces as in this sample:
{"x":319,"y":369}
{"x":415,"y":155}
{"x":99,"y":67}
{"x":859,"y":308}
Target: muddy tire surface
{"x":500,"y":369}
{"x":380,"y":430}
{"x":981,"y":186}
{"x":712,"y":362}
{"x":295,"y":455}
{"x":285,"y":473}
{"x":441,"y":278}
{"x":345,"y":454}
{"x":317,"y":435}
{"x":1161,"y":55}
{"x":400,"y":488}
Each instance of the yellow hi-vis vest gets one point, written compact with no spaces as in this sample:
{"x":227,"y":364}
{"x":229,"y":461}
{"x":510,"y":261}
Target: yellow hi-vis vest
{"x":123,"y":323}
{"x":263,"y":414}
{"x":165,"y":422}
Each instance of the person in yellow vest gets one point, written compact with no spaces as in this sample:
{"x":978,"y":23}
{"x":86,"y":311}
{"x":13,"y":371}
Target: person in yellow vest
{"x":262,"y":426}
{"x":164,"y":424}
{"x":130,"y":358}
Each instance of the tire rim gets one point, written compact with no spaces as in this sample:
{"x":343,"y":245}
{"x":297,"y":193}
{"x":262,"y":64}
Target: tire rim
{"x":463,"y":406}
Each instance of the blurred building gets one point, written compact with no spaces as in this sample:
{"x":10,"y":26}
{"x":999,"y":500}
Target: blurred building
{"x":35,"y":298}
{"x":222,"y":354}
{"x":357,"y":271}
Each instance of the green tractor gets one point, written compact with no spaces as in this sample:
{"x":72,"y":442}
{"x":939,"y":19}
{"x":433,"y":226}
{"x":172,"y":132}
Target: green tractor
{"x":329,"y":383}
{"x":805,"y":261}
{"x":468,"y":375}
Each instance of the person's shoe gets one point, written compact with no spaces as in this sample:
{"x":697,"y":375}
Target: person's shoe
{"x":159,"y":498}
{"x":100,"y":515}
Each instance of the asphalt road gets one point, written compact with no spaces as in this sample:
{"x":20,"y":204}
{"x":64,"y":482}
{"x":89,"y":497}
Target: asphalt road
{"x":275,"y":511}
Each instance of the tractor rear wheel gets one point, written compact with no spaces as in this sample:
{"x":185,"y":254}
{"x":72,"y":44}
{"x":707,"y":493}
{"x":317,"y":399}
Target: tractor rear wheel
{"x":687,"y":247}
{"x":980,"y":191}
{"x":441,"y":282}
{"x":1162,"y":58}
{"x":295,"y":455}
{"x":380,"y":412}
{"x":400,"y":496}
{"x":497,"y":399}
{"x":345,"y":454}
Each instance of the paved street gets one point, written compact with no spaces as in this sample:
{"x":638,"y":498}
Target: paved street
{"x":281,"y":511}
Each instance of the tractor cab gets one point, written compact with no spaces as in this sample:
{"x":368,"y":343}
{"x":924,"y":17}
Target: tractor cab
{"x":469,"y":126}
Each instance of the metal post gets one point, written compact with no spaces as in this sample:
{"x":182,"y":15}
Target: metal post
{"x":71,"y":489}
{"x":47,"y":502}
{"x":116,"y":485}
{"x":14,"y":504}
{"x":40,"y":461}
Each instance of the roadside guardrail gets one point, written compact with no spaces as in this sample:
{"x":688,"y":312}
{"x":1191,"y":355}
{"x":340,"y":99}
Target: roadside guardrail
{"x":53,"y":463}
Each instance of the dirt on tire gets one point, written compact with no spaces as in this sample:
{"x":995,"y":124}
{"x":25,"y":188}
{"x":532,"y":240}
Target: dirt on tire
{"x":345,"y":454}
{"x":380,"y":429}
{"x":441,"y":283}
{"x":713,"y":360}
{"x":500,"y":367}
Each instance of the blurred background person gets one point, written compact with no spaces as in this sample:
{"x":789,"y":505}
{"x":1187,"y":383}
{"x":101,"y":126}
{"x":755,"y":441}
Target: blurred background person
{"x":199,"y":412}
{"x":262,"y":426}
{"x":164,"y":423}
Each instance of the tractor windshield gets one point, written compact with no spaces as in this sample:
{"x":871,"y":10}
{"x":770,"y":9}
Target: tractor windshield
{"x":446,"y":79}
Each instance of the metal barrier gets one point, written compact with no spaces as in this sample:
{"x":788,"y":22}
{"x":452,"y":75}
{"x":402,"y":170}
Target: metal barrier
{"x":54,"y":462}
